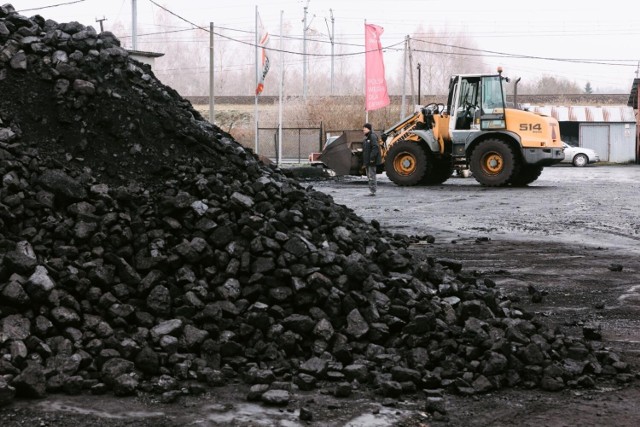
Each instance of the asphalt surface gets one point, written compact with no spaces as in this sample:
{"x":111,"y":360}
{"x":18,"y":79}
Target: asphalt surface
{"x":593,"y":205}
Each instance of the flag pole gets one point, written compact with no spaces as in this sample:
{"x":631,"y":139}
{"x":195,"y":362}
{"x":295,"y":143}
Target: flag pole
{"x":281,"y":90}
{"x":255,"y":113}
{"x":366,"y":112}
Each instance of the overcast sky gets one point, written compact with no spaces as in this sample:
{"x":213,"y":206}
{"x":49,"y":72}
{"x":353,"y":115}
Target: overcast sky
{"x":570,"y":33}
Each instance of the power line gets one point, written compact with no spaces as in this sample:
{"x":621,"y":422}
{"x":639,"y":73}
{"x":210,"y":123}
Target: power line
{"x":160,"y":33}
{"x":610,"y":62}
{"x":178,"y":16}
{"x":266,"y":48}
{"x":520,"y":56}
{"x":297,"y":38}
{"x":389,"y":47}
{"x":50,"y":6}
{"x":473,"y":52}
{"x":494,"y":53}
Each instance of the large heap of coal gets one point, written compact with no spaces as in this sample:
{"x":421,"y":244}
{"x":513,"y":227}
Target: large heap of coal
{"x":141,"y":248}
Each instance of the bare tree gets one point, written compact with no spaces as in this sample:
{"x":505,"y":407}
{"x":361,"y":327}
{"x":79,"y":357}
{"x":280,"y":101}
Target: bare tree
{"x":442,"y":54}
{"x":549,"y":85}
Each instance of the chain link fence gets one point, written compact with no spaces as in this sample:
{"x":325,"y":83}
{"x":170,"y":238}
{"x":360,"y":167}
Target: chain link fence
{"x":297,"y":143}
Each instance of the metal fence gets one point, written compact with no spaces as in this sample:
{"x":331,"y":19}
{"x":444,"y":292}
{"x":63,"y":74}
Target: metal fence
{"x":297,"y":143}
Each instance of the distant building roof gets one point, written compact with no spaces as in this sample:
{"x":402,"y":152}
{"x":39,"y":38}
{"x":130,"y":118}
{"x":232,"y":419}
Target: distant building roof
{"x":633,"y":96}
{"x":145,"y":54}
{"x":577,"y":113}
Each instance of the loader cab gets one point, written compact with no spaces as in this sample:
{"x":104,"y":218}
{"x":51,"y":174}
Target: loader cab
{"x":476,"y":103}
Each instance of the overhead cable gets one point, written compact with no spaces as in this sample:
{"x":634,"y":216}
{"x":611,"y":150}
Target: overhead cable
{"x":521,"y":56}
{"x":264,"y":47}
{"x":50,"y":6}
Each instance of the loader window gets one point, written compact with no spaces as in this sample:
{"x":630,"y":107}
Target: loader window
{"x":467,"y":102}
{"x":492,"y":107}
{"x":492,"y":95}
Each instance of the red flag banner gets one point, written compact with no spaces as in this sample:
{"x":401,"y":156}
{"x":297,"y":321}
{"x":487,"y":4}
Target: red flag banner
{"x":264,"y":60}
{"x":376,"y":95}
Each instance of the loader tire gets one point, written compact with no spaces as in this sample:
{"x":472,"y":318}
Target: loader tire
{"x":441,"y":171}
{"x":493,"y":163}
{"x":528,"y":174}
{"x":406,"y":163}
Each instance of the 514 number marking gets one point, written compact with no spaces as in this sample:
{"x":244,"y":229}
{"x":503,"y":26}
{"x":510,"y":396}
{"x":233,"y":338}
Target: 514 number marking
{"x":531,"y":127}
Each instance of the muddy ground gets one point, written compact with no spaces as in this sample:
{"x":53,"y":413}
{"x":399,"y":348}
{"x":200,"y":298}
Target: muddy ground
{"x":573,"y":235}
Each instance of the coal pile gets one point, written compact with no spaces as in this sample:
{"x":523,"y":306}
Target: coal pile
{"x":143,"y":249}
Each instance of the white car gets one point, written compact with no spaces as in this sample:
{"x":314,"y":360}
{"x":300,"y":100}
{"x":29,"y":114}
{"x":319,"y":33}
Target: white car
{"x":579,"y":156}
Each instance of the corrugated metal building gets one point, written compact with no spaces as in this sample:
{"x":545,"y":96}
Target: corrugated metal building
{"x":609,"y":130}
{"x":634,"y":99}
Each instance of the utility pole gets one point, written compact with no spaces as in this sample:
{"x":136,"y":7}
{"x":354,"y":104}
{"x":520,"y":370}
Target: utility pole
{"x":419,"y":84}
{"x":430,"y":83}
{"x":304,"y":52}
{"x":332,"y":38}
{"x":100,"y":21}
{"x":413,"y":96}
{"x":255,"y":114}
{"x":403,"y":108}
{"x":134,"y":24}
{"x":211,"y":76}
{"x":280,"y":93}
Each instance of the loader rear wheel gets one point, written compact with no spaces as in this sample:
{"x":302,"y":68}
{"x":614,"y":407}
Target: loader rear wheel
{"x":528,"y":174}
{"x":493,"y":163}
{"x":440,"y":172}
{"x":406,"y":163}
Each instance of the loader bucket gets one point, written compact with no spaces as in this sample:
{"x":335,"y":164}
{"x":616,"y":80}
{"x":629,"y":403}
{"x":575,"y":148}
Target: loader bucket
{"x":338,"y":156}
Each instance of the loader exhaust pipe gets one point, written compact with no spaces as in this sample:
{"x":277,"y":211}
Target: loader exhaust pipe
{"x":515,"y":92}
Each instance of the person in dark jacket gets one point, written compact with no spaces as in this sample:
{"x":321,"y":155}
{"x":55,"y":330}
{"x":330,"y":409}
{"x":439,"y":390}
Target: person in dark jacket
{"x":371,"y":156}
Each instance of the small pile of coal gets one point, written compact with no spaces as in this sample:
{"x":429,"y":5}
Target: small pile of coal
{"x":142,"y":249}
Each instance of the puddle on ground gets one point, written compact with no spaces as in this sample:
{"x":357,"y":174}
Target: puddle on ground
{"x":257,"y":415}
{"x":386,"y":417}
{"x":245,"y":413}
{"x":242,"y":414}
{"x":631,"y":296}
{"x":60,"y":406}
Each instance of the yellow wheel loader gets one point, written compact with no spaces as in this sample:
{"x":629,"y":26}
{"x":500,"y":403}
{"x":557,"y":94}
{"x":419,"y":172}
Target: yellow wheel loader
{"x":475,"y":130}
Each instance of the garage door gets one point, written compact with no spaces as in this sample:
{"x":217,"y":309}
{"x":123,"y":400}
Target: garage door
{"x":596,"y":137}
